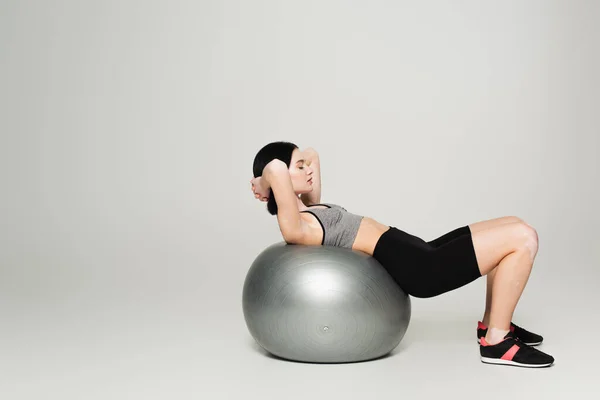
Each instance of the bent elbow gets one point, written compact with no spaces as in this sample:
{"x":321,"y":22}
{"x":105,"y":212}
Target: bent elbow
{"x":293,"y":236}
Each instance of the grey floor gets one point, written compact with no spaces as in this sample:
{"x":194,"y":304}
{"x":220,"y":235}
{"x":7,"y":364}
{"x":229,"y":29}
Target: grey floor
{"x":124,"y":334}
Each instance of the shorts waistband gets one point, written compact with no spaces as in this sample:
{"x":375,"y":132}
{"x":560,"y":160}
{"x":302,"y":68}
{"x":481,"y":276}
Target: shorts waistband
{"x":382,"y":238}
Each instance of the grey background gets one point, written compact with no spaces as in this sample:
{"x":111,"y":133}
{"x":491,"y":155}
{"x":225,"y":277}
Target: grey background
{"x":128,"y":130}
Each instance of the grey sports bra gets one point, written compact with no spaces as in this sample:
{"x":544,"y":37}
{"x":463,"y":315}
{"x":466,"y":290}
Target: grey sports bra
{"x":339,"y":226}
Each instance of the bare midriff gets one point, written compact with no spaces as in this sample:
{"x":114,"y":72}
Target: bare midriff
{"x":368,"y":234}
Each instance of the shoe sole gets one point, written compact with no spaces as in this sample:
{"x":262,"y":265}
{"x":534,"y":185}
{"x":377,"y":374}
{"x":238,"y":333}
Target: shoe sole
{"x":498,"y":361}
{"x":529,"y":344}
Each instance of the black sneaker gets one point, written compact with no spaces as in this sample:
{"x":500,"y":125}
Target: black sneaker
{"x":530,"y":339}
{"x":512,"y":351}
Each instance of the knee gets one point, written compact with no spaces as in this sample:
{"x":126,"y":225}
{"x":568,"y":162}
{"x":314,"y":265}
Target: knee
{"x":529,"y":239}
{"x":513,"y":219}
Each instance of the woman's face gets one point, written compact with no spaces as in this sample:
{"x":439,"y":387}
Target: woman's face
{"x":300,"y":173}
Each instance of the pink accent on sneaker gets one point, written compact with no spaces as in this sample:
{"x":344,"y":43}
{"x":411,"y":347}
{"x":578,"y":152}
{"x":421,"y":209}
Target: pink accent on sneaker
{"x":480,"y":325}
{"x":510,"y":353}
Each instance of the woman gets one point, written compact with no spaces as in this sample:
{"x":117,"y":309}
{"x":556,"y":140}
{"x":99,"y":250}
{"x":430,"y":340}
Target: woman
{"x":504,"y":249}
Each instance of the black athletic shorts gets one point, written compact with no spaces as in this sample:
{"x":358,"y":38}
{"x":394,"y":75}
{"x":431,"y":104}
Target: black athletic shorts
{"x":428,"y":269}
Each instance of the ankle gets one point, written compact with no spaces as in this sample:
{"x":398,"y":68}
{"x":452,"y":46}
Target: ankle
{"x":486,"y":320}
{"x":495,"y":335}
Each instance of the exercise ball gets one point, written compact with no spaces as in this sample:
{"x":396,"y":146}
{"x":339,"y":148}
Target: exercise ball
{"x":323,"y":304}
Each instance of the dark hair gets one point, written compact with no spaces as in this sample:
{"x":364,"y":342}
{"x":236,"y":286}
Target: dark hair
{"x":280,"y":150}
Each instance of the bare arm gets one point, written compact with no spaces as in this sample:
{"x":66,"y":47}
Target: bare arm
{"x":277,"y":176}
{"x":312,"y":160}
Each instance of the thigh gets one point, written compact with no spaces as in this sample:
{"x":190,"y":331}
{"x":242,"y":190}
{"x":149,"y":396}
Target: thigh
{"x":452,"y":265}
{"x":450,"y":236}
{"x":493,"y":223}
{"x":426,"y":271}
{"x":423,"y":270}
{"x":472,"y":228}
